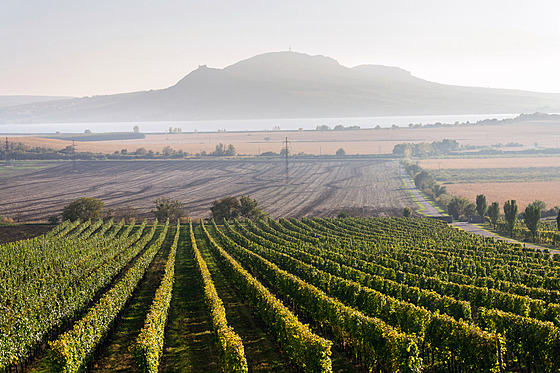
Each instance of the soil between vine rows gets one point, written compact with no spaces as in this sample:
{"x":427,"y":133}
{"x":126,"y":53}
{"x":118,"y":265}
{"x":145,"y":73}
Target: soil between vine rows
{"x":261,"y":350}
{"x":189,"y":345}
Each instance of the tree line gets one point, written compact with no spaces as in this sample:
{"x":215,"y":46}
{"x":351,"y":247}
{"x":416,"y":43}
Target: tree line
{"x":531,"y":215}
{"x":21,"y":151}
{"x":224,"y":209}
{"x":461,"y":207}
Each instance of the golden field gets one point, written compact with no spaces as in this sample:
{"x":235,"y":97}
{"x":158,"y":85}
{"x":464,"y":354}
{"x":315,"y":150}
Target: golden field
{"x":476,"y":163}
{"x":365,"y":141}
{"x":524,"y":193}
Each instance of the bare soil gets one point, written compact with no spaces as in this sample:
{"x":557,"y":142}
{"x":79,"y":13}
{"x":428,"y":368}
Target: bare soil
{"x":10,"y":233}
{"x":315,"y":187}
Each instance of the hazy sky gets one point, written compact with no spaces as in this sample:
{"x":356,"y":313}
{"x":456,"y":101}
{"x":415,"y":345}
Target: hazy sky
{"x":82,"y":48}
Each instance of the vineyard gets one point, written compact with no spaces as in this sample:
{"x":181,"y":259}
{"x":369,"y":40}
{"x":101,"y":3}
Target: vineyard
{"x":288,"y":295}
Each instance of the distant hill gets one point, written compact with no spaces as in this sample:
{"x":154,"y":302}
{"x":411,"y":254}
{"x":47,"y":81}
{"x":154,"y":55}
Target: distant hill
{"x":287,"y":85}
{"x":6,"y":101}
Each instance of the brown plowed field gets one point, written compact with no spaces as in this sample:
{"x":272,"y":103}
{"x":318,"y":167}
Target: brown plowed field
{"x":315,"y":188}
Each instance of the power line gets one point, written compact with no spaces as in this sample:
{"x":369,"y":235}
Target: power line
{"x":287,"y":170}
{"x":74,"y":156}
{"x":7,"y":150}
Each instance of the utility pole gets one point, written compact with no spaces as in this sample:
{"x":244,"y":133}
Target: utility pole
{"x":287,"y":174}
{"x":74,"y":156}
{"x":7,"y":150}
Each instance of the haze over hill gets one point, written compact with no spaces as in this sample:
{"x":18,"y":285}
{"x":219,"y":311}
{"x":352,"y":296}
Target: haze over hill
{"x":286,"y":85}
{"x":6,"y":101}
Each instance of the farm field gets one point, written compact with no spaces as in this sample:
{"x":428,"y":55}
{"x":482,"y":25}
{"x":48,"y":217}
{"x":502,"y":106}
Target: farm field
{"x":482,"y":163}
{"x":315,"y":188}
{"x":524,"y":179}
{"x":523,"y":192}
{"x":286,"y":295}
{"x":9,"y":233}
{"x":481,"y":175}
{"x":365,"y":141}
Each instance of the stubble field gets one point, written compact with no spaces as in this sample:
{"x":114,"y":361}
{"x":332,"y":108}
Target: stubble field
{"x":524,"y":179}
{"x":524,"y":193}
{"x":478,"y":163}
{"x":365,"y":141}
{"x":315,"y":187}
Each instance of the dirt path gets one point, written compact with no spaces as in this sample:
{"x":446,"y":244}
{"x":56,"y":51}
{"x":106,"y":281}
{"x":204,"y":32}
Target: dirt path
{"x":477,"y":230}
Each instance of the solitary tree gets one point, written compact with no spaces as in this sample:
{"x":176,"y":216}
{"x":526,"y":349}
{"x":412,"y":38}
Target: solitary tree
{"x":510,"y":211}
{"x":84,"y":208}
{"x":248,"y":208}
{"x":439,"y":190}
{"x":494,"y":213}
{"x":229,"y":208}
{"x":532,"y":216}
{"x":558,"y":221}
{"x":481,"y":205}
{"x":167,"y":209}
{"x":340,"y":152}
{"x":225,"y":209}
{"x":424,"y":180}
{"x":283,"y":152}
{"x":223,"y":150}
{"x":407,"y":212}
{"x":459,"y":206}
{"x":540,"y":204}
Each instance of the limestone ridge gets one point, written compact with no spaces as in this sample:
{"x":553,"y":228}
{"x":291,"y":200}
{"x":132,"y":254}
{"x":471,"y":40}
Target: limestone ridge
{"x":287,"y":85}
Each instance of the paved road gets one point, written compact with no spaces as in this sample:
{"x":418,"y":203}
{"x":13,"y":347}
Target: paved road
{"x":409,"y":185}
{"x":429,"y":210}
{"x":476,"y":230}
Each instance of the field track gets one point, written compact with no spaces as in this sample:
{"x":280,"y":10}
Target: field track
{"x":315,"y":187}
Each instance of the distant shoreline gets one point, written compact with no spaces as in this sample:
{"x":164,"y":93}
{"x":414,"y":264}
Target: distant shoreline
{"x":240,"y":125}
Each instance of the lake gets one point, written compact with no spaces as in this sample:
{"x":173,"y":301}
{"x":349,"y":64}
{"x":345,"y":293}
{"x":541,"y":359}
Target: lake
{"x":244,"y":124}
